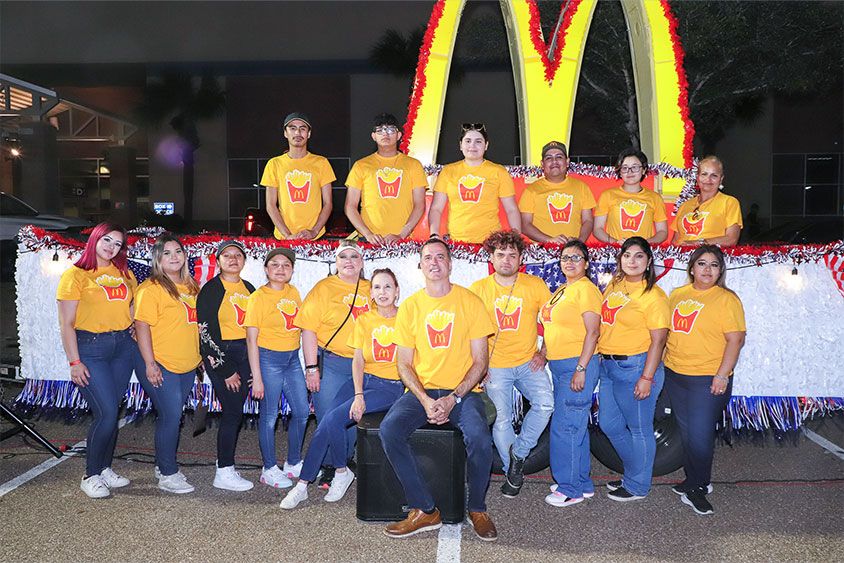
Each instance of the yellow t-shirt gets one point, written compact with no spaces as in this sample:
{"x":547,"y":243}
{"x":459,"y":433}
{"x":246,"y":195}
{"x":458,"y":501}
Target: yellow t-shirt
{"x":232,"y":312}
{"x":557,"y":207}
{"x":514,"y":316}
{"x":562,"y":318}
{"x":327,"y":305}
{"x":473,"y":193}
{"x":175,"y":338}
{"x":628,"y":314}
{"x":386,"y":186}
{"x":104,"y":297}
{"x":439,"y":330}
{"x":707,"y":220}
{"x":699,"y":320}
{"x":299,"y":182}
{"x":273,"y":313}
{"x":374,"y":335}
{"x":630,"y":215}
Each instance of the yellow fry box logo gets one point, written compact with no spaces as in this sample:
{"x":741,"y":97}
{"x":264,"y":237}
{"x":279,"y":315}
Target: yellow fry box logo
{"x":383,"y":345}
{"x":469,"y":188}
{"x":189,"y":302}
{"x":439,"y":326}
{"x":298,"y":186}
{"x":560,"y":206}
{"x":631,"y":213}
{"x":508,"y":314}
{"x":115,"y":288}
{"x":238,"y":301}
{"x":694,"y":222}
{"x":389,"y":182}
{"x":288,"y":309}
{"x":614,"y":302}
{"x":684,"y":316}
{"x":360,"y":306}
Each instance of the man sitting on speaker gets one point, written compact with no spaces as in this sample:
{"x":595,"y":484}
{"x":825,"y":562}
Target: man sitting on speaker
{"x":441,"y":333}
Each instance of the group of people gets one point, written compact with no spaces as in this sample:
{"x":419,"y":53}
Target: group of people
{"x":385,"y":195}
{"x":429,"y":359}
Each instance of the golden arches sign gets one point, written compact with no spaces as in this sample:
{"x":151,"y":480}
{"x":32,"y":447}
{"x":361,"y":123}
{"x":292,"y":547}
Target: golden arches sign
{"x":546,"y":87}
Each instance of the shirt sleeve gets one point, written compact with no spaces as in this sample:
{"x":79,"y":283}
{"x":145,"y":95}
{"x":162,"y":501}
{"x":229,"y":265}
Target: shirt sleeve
{"x":253,"y":311}
{"x":358,"y":335}
{"x":308,"y":317}
{"x":418,"y":178}
{"x":326,"y":173}
{"x":659,"y":209}
{"x":355,"y":177}
{"x":147,"y":305}
{"x":69,"y":289}
{"x":603,"y":205}
{"x":657,"y":314}
{"x":526,"y":204}
{"x":483,"y":326}
{"x":443,"y":178}
{"x":588,"y":197}
{"x":734,"y":315}
{"x":590,"y":300}
{"x":405,"y":334}
{"x":732,"y":212}
{"x":506,"y":187}
{"x":270,"y":176}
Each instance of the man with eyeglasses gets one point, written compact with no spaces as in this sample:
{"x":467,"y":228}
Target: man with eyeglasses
{"x":388,"y":186}
{"x":556,"y":208}
{"x":298,"y":185}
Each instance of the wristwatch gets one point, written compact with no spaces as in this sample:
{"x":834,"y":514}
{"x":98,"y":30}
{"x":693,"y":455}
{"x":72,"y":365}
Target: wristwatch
{"x":457,"y":398}
{"x":579,"y":368}
{"x":311,"y":369}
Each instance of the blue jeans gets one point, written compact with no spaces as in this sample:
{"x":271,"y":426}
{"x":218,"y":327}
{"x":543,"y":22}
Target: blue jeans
{"x":336,"y":374}
{"x":169,"y":402}
{"x":109,"y":357}
{"x":570,"y":457}
{"x":406,"y":415}
{"x":536,"y":388}
{"x":329,"y":440}
{"x":629,"y":422}
{"x":697,"y":411}
{"x":281,"y":372}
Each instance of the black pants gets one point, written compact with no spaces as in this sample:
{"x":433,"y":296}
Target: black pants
{"x":697,"y":412}
{"x":231,"y":402}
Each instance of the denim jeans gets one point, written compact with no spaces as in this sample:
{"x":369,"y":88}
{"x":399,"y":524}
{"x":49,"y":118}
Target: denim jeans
{"x":570,"y":457}
{"x":329,"y":440}
{"x":169,"y":402}
{"x":406,"y":415}
{"x":629,"y":422}
{"x":281,"y":372}
{"x":697,"y":411}
{"x":535,"y":386}
{"x":231,"y":402}
{"x":337,"y":373}
{"x":109,"y":357}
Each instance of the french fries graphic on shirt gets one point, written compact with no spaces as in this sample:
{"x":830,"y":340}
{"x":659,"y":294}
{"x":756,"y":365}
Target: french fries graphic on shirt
{"x":694,"y":226}
{"x":189,"y":302}
{"x":389,"y":181}
{"x":360,"y":306}
{"x":238,"y":301}
{"x":383,"y":344}
{"x":115,"y":288}
{"x":470,"y":187}
{"x":631,"y":213}
{"x":508,"y":314}
{"x":288,"y":309}
{"x":298,"y":185}
{"x":684,"y":315}
{"x":614,"y":302}
{"x":560,"y":206}
{"x":439,"y":326}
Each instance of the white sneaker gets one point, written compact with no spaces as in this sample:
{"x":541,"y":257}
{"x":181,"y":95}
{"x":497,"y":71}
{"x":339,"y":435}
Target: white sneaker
{"x":229,"y":479}
{"x":157,"y":472}
{"x":175,"y":483}
{"x":95,"y":487}
{"x":585,"y":495}
{"x":294,"y":497}
{"x":293,"y":471}
{"x":275,"y":477}
{"x":559,"y":499}
{"x":112,"y":479}
{"x":339,"y":485}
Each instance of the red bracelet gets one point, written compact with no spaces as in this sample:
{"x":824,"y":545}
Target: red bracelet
{"x":75,"y":363}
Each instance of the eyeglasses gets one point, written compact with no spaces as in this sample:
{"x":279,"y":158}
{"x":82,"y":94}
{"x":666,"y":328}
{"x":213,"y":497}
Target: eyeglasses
{"x":473,"y":127}
{"x":634,"y":168}
{"x":386,"y":129}
{"x":573,"y":258}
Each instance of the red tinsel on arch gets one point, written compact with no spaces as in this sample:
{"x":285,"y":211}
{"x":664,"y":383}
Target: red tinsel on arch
{"x":551,"y":65}
{"x":683,"y":83}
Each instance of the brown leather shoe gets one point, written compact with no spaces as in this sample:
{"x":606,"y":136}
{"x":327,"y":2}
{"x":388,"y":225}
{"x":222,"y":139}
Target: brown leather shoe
{"x":483,"y":526}
{"x":416,"y":521}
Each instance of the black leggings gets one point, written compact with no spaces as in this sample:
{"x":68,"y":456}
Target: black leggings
{"x":231,"y":402}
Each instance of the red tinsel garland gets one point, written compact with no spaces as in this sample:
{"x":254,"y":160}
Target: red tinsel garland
{"x":551,"y":65}
{"x":683,"y":83}
{"x":421,"y":80}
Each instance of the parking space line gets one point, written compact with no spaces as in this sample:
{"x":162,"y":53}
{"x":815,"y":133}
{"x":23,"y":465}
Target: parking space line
{"x":448,"y":543}
{"x":24,"y":478}
{"x":832,"y":448}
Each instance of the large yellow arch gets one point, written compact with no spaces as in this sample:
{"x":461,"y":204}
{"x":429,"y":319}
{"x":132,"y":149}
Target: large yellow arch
{"x":546,"y":92}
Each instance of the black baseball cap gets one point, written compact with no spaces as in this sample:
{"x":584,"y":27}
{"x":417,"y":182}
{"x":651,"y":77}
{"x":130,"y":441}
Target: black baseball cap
{"x":555,"y":145}
{"x":282,"y":250}
{"x":227,"y":243}
{"x":297,"y":115}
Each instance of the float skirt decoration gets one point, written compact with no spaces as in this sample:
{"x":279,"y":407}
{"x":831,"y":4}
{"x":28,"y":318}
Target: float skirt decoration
{"x":790,"y":369}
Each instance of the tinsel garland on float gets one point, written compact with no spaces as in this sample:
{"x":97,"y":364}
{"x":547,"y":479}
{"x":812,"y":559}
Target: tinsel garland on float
{"x":756,"y":273}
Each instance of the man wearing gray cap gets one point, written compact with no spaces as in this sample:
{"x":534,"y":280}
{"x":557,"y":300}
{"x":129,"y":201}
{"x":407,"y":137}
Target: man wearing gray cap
{"x":298,"y":185}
